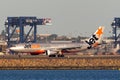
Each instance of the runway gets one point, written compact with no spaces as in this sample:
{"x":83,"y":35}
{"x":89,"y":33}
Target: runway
{"x":66,"y":57}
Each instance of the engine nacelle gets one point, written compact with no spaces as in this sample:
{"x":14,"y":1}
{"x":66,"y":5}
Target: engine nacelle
{"x":53,"y":54}
{"x":47,"y":52}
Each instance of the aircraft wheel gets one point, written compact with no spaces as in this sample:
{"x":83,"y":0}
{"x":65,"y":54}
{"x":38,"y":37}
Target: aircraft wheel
{"x":53,"y":55}
{"x":61,"y":55}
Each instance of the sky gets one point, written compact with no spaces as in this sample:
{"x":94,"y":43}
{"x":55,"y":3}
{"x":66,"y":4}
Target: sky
{"x":69,"y":17}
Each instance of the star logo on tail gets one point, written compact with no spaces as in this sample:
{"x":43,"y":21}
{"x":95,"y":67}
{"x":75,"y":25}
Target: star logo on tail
{"x":99,"y":31}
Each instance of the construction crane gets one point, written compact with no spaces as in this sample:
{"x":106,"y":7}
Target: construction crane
{"x":14,"y":23}
{"x":115,"y":27}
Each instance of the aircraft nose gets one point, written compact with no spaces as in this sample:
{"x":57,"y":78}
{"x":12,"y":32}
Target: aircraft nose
{"x":12,"y":48}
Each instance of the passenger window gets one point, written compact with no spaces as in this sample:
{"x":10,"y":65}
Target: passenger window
{"x":27,"y":46}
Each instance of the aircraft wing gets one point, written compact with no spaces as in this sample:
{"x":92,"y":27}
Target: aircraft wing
{"x":66,"y":49}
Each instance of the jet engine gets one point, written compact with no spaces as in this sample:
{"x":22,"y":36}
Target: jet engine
{"x":53,"y":54}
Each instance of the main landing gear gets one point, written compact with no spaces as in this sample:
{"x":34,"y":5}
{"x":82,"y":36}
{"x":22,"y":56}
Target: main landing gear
{"x":56,"y":55}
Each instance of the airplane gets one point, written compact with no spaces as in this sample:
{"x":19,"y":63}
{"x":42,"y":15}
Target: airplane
{"x":53,"y":50}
